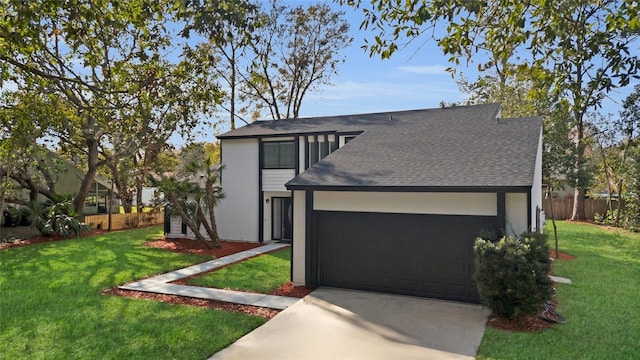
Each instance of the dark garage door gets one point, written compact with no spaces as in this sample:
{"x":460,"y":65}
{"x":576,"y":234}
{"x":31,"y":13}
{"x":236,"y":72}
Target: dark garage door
{"x":413,"y":254}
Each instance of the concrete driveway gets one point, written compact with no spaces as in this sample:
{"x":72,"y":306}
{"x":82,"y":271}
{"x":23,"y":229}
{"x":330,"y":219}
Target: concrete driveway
{"x":348,"y":324}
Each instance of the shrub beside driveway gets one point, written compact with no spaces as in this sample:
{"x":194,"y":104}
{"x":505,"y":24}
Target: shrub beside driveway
{"x":51,"y":304}
{"x":602,"y":306}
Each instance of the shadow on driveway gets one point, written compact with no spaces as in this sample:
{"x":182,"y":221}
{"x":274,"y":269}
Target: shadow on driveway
{"x":340,"y":324}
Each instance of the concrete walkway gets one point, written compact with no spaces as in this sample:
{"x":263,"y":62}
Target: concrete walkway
{"x":161,"y":284}
{"x":349,"y":324}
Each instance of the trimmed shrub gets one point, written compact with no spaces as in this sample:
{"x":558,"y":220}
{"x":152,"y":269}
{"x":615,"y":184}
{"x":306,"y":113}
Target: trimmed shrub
{"x":512,"y":274}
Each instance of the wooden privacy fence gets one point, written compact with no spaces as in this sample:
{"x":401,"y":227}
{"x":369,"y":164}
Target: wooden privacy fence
{"x":562,"y":208}
{"x":124,"y":221}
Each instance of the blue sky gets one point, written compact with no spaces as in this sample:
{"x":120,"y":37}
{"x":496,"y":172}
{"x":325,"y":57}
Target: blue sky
{"x":414,"y":78}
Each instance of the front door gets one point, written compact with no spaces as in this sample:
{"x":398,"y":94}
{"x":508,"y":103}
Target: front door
{"x":282,"y":219}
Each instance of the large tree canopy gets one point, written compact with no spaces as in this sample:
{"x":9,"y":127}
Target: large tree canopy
{"x":583,"y":48}
{"x":294,"y":53}
{"x":109,"y":73}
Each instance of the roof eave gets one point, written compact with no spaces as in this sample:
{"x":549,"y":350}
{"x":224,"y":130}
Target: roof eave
{"x":382,"y":188}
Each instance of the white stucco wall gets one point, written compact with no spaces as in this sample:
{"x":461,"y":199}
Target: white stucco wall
{"x":536,"y":190}
{"x":237,"y":213}
{"x":516,"y":213}
{"x":299,"y":237}
{"x":408,"y":203}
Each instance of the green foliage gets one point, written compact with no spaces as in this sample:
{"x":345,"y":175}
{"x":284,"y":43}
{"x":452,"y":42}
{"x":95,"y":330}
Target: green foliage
{"x":602,"y":306}
{"x":618,"y":158}
{"x":629,"y":217}
{"x":15,"y":216}
{"x":110,"y":88}
{"x":193,"y":194}
{"x":580,"y":49}
{"x":512,"y":274}
{"x":58,"y":218}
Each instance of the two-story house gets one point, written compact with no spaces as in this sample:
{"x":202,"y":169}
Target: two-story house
{"x":386,"y":202}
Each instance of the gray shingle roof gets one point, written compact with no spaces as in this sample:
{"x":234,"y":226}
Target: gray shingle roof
{"x":458,"y":147}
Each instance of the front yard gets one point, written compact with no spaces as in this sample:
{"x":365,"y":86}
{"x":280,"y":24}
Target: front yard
{"x":602,"y":306}
{"x":51,"y":305}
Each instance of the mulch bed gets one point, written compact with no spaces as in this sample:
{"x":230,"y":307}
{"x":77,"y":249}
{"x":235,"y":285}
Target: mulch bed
{"x":181,"y":300}
{"x":561,"y":255}
{"x":529,"y":323}
{"x":187,"y":246}
{"x":42,"y":239}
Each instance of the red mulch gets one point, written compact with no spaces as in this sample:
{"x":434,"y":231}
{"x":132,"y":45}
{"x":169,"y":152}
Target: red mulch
{"x":561,"y":255}
{"x":288,"y":289}
{"x":227,"y":248}
{"x":527,"y":324}
{"x":42,"y":239}
{"x":181,"y":300}
{"x":188,"y":246}
{"x":285,"y":290}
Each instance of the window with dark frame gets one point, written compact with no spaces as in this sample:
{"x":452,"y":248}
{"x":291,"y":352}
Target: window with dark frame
{"x":279,"y":155}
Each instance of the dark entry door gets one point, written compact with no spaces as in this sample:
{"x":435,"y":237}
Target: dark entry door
{"x":282,"y":218}
{"x":413,"y":254}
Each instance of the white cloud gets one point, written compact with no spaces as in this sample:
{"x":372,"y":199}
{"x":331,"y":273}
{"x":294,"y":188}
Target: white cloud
{"x":425,"y":69}
{"x":352,"y":97}
{"x":351,"y":90}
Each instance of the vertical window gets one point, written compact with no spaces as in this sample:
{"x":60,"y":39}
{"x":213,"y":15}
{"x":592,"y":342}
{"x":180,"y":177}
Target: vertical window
{"x":324,"y":148}
{"x":279,"y":155}
{"x":314,"y":151}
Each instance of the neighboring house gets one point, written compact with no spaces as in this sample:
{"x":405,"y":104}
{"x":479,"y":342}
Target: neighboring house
{"x":174,"y":228}
{"x":148,"y":195}
{"x":387,"y":202}
{"x":67,"y":179}
{"x":562,"y":190}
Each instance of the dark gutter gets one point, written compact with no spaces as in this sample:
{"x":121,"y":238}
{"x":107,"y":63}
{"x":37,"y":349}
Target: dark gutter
{"x":379,"y":188}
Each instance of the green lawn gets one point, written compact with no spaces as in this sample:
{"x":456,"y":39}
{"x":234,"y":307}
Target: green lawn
{"x":260,"y":274}
{"x":51,"y":306}
{"x":602,"y":306}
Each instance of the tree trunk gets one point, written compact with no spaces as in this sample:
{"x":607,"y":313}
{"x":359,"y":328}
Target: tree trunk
{"x":619,"y":205}
{"x":89,"y":177}
{"x":553,"y":218}
{"x":187,"y":220}
{"x":210,"y":200}
{"x":213,"y":236}
{"x":578,"y":205}
{"x":125,"y":195}
{"x":578,"y":198}
{"x":139,"y":186}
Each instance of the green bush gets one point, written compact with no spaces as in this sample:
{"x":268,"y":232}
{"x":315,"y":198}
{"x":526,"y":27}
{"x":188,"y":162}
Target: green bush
{"x":512,"y":274}
{"x":58,"y":218}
